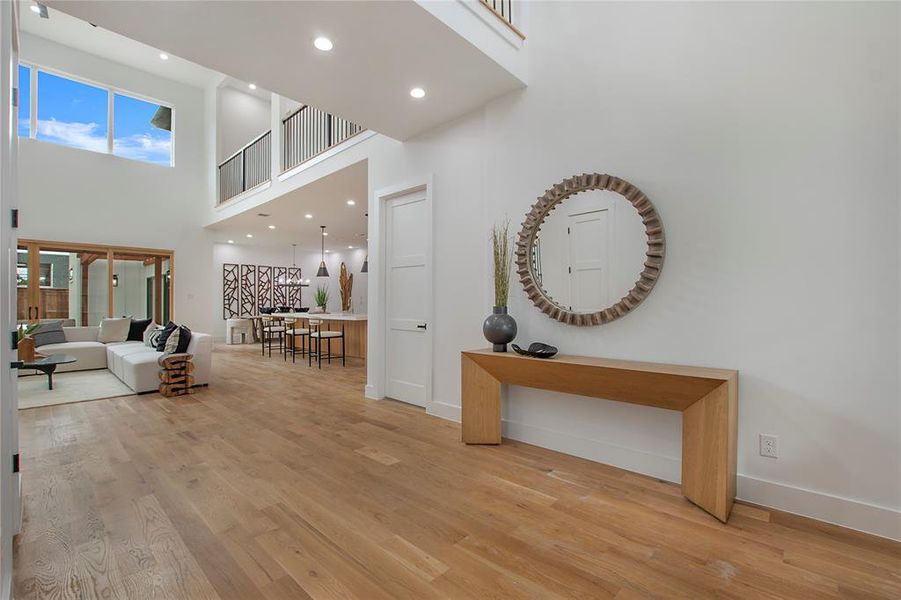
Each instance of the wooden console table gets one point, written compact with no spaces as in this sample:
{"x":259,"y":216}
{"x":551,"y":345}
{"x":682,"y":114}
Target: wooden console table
{"x":707,"y":399}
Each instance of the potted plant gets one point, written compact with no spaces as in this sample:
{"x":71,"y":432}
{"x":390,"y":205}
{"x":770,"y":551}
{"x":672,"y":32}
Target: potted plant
{"x":500,"y":328}
{"x":24,"y":341}
{"x":321,"y":297}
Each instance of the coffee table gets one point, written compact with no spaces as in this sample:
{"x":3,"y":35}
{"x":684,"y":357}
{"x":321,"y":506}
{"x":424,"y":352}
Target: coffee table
{"x":48,"y":365}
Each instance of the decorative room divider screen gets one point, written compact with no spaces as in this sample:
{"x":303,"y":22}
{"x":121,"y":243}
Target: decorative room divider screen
{"x":245,"y":288}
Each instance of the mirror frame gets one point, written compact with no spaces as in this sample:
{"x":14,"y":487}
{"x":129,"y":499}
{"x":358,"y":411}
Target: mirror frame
{"x":532,"y":225}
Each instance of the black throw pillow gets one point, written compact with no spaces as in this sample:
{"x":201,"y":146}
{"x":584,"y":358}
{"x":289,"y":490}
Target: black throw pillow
{"x":178,"y":341}
{"x":167,"y":331}
{"x":136,"y":330}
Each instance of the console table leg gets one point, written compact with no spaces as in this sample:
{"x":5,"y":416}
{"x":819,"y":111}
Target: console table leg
{"x":709,"y":444}
{"x":481,"y":405}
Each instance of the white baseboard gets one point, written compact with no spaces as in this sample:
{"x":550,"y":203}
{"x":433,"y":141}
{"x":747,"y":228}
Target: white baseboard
{"x":853,"y":514}
{"x":444,"y":411}
{"x":369,"y":392}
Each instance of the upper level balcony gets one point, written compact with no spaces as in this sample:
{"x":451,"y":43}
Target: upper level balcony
{"x":305,"y":133}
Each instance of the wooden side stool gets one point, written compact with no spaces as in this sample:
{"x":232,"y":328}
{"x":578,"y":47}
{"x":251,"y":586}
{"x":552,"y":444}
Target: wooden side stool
{"x":176,"y":374}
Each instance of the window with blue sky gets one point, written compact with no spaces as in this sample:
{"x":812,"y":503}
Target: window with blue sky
{"x":138,"y":133}
{"x":76,"y":114}
{"x":71,"y":113}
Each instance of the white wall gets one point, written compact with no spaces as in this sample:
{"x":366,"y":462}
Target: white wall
{"x":80,"y":196}
{"x":308,"y":262}
{"x":767,"y":136}
{"x":241,"y":117}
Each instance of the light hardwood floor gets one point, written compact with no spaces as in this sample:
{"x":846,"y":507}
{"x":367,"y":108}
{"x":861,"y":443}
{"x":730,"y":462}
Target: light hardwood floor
{"x":281,"y":481}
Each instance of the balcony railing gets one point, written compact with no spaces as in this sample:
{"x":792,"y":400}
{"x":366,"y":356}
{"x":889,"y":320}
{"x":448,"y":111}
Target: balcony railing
{"x":247,"y":168}
{"x":308,"y":132}
{"x":503,"y":10}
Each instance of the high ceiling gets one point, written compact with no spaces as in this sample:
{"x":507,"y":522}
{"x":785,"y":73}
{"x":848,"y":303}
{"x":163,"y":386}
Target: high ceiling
{"x":382,"y":49}
{"x":325,"y":199}
{"x":81,"y":35}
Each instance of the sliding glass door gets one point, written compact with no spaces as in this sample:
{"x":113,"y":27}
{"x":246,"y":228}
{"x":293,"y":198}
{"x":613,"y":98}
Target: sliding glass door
{"x":83,"y":283}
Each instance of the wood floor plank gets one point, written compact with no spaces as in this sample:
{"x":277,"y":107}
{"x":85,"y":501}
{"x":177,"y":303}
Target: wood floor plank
{"x":284,"y":482}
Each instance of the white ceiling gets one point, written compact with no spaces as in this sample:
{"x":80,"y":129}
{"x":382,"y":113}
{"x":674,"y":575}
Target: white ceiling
{"x":81,"y":35}
{"x":326,"y":199}
{"x":381,"y":49}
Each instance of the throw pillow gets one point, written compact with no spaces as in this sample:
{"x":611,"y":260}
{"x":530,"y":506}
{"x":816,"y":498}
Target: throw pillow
{"x":177,"y":343}
{"x":113,"y":330}
{"x":164,"y":335}
{"x":136,"y":330}
{"x":152,"y":336}
{"x":50,"y":332}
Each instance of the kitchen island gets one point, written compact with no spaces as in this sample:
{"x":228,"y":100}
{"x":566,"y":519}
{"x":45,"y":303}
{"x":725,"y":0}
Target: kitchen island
{"x":354,"y":326}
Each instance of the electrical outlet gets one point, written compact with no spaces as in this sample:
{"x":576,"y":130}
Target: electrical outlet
{"x":769,"y":445}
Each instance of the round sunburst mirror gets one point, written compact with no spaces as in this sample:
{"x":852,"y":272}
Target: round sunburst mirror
{"x":590,"y":250}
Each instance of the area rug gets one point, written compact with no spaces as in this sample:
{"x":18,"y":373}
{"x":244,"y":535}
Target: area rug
{"x":77,"y":386}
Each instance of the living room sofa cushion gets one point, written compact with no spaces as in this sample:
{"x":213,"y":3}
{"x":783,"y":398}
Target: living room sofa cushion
{"x":82,"y":334}
{"x":177,"y":343}
{"x":50,"y":332}
{"x":136,"y":330}
{"x":113,"y":330}
{"x":89,"y":355}
{"x":164,"y":336}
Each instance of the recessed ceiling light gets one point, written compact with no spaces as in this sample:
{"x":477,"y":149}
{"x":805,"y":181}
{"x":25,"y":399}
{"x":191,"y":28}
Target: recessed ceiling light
{"x":252,"y":86}
{"x":323,"y":43}
{"x":272,"y":227}
{"x":325,"y":233}
{"x":327,"y":251}
{"x":350,"y":247}
{"x":231,"y":241}
{"x":164,"y":56}
{"x":250,"y":235}
{"x":417,"y":92}
{"x":351,"y":202}
{"x":308,"y":216}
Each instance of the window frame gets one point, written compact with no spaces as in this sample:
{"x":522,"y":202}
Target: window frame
{"x":111,"y":92}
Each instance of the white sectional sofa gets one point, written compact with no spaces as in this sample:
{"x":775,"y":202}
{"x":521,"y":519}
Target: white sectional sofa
{"x":132,"y":362}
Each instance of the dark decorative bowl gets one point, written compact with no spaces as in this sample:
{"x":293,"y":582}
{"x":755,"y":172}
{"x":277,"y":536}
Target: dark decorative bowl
{"x":302,"y":309}
{"x":536,"y":350}
{"x":282,"y":309}
{"x":267,"y":310}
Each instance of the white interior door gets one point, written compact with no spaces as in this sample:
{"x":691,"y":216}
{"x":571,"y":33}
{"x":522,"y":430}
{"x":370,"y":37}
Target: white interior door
{"x":408,"y":283}
{"x":588,"y":260}
{"x":10,"y":491}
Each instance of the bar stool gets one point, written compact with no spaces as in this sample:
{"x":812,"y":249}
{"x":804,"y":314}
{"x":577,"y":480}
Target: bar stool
{"x":272,"y":327}
{"x":317,"y":334}
{"x":292,"y":332}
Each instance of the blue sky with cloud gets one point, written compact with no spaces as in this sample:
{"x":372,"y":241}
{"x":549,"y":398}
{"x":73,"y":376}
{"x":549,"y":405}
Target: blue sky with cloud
{"x":74,"y":114}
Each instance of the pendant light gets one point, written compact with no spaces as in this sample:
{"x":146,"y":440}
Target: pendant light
{"x":291,"y":282}
{"x":322,"y":272}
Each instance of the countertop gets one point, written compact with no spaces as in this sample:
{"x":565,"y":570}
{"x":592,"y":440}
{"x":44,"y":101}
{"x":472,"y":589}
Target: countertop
{"x":323,"y":316}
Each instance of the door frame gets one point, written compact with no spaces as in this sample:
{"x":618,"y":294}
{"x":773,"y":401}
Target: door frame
{"x":10,"y":482}
{"x":376,"y":365}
